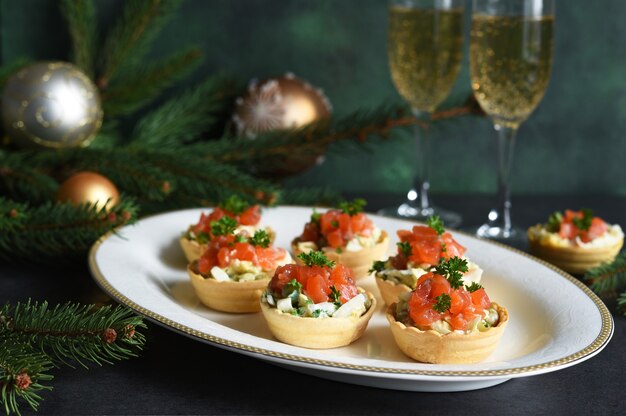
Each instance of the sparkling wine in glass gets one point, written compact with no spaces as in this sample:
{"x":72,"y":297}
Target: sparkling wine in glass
{"x":510,"y":60}
{"x":425,"y":47}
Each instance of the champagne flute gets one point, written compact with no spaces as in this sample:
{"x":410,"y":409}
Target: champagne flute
{"x":510,"y":60}
{"x":425,"y":46}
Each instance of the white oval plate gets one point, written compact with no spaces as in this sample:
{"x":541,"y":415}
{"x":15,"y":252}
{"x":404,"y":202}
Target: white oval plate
{"x":555,"y":320}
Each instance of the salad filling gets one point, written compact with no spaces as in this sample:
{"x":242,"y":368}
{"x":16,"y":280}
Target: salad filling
{"x":442,"y":303}
{"x":344,"y":228}
{"x":318,"y":289}
{"x":576,"y":229}
{"x":419,"y":252}
{"x":240,"y":257}
{"x":245,"y":216}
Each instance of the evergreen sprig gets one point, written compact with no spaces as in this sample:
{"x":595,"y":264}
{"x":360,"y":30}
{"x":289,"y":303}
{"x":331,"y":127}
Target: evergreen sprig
{"x":24,"y":182}
{"x":609,"y":279}
{"x":73,"y":334}
{"x":34,"y":338}
{"x":131,"y":37}
{"x":22,"y":372}
{"x":55,"y":230}
{"x":289,"y":151}
{"x":82,"y":26}
{"x":127,"y":95}
{"x":183,"y":119}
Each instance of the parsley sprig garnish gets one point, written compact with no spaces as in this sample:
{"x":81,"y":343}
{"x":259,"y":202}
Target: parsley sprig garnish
{"x":316,"y":258}
{"x":260,"y":238}
{"x":293,"y":286}
{"x":335,"y":296}
{"x":316,"y":217}
{"x":443,"y":303}
{"x":554,"y":222}
{"x":473,"y":287}
{"x":377,"y":266}
{"x":405,"y":248}
{"x":352,"y":208}
{"x":583,"y":223}
{"x":436,"y":224}
{"x":452,"y":269}
{"x":223,"y":226}
{"x":235,"y":204}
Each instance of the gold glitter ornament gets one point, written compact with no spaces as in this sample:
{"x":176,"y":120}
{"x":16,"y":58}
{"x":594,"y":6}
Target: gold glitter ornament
{"x":88,"y":187}
{"x":279,"y":103}
{"x":51,"y":105}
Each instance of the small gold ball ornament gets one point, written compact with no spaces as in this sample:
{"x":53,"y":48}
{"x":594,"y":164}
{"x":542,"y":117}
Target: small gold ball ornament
{"x":279,"y":103}
{"x":88,"y":187}
{"x":51,"y":105}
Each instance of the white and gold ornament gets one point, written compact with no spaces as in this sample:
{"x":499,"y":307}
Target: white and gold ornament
{"x":51,"y":105}
{"x":279,"y":103}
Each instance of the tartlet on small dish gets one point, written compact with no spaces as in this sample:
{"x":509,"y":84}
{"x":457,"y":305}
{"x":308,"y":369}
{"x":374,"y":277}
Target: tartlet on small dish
{"x":418,"y":252}
{"x":346,"y":235}
{"x":234,"y":270}
{"x":316,"y":304}
{"x":575,"y":241}
{"x":195,"y":239}
{"x":444,"y":322}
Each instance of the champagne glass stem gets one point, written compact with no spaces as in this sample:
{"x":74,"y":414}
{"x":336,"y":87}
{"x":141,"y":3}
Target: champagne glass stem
{"x":421,"y":183}
{"x":501,"y":215}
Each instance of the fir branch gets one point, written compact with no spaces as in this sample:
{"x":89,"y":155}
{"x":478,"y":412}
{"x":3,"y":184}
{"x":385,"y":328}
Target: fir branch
{"x":196,"y":181}
{"x":82,"y":27}
{"x":183,"y":119}
{"x":22,"y":370}
{"x":53,"y":231}
{"x":23,"y":183}
{"x":130,"y":173}
{"x":283,"y":152}
{"x":128,"y":42}
{"x":147,"y":83}
{"x":73,"y":334}
{"x":608,"y":278}
{"x":288,"y":152}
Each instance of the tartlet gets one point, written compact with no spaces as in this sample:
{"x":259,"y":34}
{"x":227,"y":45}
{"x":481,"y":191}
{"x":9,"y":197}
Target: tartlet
{"x":346,"y":235}
{"x":419,"y":251}
{"x":575,"y":241}
{"x":231,"y":274}
{"x":195,"y":239}
{"x":316,"y":305}
{"x":443,"y":322}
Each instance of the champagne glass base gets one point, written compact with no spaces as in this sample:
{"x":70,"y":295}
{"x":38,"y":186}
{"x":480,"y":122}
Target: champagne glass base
{"x":513,"y":236}
{"x":406,"y":211}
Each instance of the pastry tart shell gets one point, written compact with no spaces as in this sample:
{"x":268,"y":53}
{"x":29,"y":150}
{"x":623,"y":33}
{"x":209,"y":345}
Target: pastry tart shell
{"x":192,"y":249}
{"x":358,"y":261}
{"x":316,"y":333}
{"x":574,"y":259}
{"x":228,"y":296}
{"x":453,"y":348}
{"x":390,"y":290}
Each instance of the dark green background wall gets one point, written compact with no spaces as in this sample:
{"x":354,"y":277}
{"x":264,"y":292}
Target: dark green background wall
{"x":574,"y":142}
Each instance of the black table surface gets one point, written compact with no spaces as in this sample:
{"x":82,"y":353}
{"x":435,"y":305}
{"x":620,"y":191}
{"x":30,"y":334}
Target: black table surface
{"x":178,"y":375}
